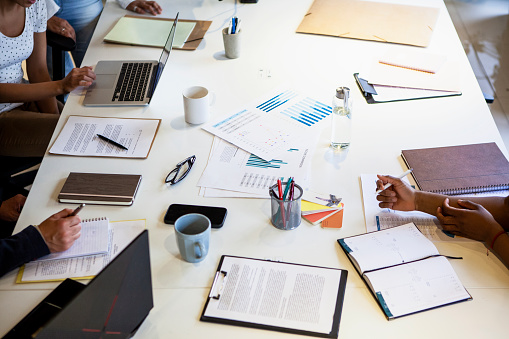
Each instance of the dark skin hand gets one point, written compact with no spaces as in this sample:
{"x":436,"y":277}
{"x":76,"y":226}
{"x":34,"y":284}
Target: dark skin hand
{"x":484,"y":219}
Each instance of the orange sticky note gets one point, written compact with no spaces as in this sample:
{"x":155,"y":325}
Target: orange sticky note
{"x":335,"y":220}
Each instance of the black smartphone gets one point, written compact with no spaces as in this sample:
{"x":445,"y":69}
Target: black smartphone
{"x":217,"y":215}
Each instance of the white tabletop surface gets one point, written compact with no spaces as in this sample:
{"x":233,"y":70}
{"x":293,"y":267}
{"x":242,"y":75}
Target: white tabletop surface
{"x":274,"y":55}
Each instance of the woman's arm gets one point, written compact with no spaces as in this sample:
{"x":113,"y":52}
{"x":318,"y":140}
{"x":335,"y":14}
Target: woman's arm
{"x":37,"y":71}
{"x":41,"y":89}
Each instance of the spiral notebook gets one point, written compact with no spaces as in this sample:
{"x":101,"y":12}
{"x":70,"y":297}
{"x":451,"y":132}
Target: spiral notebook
{"x":94,"y":239}
{"x":460,"y":169}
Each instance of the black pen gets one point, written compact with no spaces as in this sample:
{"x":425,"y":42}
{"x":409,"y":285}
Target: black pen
{"x":102,"y":137}
{"x":77,"y":210}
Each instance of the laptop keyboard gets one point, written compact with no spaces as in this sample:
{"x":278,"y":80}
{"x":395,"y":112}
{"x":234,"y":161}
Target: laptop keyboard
{"x":132,"y":82}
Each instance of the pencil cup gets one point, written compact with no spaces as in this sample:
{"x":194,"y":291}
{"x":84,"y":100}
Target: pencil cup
{"x":193,"y":233}
{"x":232,"y":43}
{"x":285,"y":215}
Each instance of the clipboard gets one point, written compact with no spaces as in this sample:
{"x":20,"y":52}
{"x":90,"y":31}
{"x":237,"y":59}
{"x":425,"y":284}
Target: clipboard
{"x":192,"y":42}
{"x":370,"y":93}
{"x":225,"y":279}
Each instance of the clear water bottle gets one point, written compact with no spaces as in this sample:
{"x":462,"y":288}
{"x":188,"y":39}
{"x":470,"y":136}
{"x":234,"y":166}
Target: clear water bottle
{"x":341,"y":119}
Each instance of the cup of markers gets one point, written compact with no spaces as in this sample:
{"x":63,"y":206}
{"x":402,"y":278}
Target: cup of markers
{"x":285,"y":200}
{"x":232,"y":39}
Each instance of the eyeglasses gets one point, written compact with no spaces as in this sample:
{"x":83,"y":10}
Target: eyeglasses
{"x":180,"y":171}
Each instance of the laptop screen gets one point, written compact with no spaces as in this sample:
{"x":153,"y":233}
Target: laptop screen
{"x":166,"y":51}
{"x":114,"y":303}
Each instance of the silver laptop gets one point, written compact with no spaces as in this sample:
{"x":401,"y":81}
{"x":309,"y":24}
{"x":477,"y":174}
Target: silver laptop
{"x":128,"y":82}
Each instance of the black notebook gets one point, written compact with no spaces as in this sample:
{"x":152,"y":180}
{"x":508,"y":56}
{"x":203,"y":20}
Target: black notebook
{"x":404,"y":271}
{"x":277,"y":296}
{"x":100,"y":188}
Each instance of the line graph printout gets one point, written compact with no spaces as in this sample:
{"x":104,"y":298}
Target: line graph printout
{"x":273,"y":124}
{"x":233,"y":169}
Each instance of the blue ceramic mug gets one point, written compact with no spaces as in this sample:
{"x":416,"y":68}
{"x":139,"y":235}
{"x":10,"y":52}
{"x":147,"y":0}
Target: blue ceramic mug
{"x":193,"y":234}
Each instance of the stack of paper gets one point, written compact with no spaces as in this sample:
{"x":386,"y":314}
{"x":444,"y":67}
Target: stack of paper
{"x":262,"y":142}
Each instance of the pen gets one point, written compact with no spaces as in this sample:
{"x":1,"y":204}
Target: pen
{"x":287,"y":188}
{"x":280,"y":189}
{"x":102,"y":137}
{"x":386,"y":186}
{"x":233,"y":25}
{"x":77,"y":210}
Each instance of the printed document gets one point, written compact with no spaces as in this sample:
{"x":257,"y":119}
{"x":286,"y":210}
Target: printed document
{"x":121,"y":235}
{"x":273,"y":124}
{"x":275,"y":294}
{"x":233,"y":169}
{"x":79,"y":137}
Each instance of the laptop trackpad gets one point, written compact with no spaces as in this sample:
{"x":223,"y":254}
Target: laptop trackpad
{"x":105,"y":81}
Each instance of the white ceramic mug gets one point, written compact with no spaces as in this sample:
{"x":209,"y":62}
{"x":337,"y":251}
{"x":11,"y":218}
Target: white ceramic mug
{"x":197,"y":102}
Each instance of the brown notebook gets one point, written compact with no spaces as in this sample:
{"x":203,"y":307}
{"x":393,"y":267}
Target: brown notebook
{"x":459,"y":169}
{"x":100,"y":188}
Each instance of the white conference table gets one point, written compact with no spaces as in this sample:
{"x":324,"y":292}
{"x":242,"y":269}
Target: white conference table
{"x":274,"y":55}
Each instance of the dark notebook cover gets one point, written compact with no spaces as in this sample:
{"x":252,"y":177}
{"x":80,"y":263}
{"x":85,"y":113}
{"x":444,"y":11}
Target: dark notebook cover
{"x":459,"y":169}
{"x":100,"y":188}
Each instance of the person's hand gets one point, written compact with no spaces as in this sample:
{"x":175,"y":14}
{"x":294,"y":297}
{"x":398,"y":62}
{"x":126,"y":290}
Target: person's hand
{"x":399,"y":196}
{"x":142,"y":7}
{"x":62,"y":27}
{"x":61,"y":230}
{"x":471,"y":220}
{"x":83,"y":76}
{"x":11,"y":208}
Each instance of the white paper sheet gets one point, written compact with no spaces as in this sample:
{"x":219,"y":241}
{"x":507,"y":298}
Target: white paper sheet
{"x":417,"y":286}
{"x":389,"y":247}
{"x":233,"y":169}
{"x":273,"y":124}
{"x":79,"y":137}
{"x":94,"y":239}
{"x":121,"y":234}
{"x":277,"y":294}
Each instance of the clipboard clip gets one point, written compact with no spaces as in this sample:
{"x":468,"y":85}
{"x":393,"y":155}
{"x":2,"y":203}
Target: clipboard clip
{"x":217,"y":289}
{"x":364,"y":86}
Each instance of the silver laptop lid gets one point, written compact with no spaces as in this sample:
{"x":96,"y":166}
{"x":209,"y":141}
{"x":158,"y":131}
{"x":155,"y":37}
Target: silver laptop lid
{"x":166,"y":52}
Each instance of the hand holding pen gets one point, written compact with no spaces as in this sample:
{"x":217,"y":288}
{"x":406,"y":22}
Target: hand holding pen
{"x":394,"y":193}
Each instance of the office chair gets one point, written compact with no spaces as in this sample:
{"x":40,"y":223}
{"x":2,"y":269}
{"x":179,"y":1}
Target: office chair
{"x":59,"y":46}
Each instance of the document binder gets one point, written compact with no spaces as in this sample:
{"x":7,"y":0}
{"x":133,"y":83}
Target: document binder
{"x":229,"y":284}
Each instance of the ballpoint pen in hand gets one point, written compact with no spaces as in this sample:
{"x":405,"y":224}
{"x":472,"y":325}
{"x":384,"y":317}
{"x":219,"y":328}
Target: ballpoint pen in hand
{"x":77,"y":210}
{"x":386,"y":186}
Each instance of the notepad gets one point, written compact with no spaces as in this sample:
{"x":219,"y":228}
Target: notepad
{"x":94,"y":239}
{"x":148,"y":32}
{"x":404,"y":270}
{"x":459,"y":169}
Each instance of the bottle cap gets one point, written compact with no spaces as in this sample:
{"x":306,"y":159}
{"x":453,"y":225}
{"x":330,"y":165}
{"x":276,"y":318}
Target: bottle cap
{"x":342,"y":93}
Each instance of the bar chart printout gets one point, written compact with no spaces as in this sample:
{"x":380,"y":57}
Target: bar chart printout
{"x":273,"y":124}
